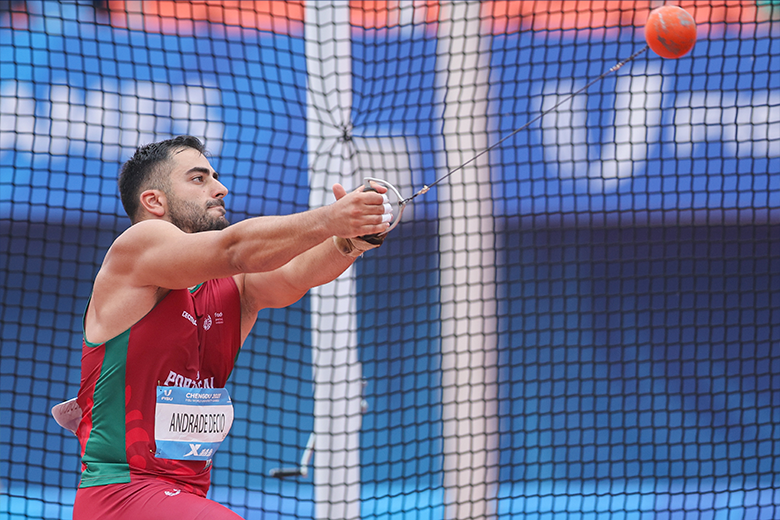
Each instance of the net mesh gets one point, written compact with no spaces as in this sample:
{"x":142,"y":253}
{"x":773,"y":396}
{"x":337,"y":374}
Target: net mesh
{"x":583,"y":324}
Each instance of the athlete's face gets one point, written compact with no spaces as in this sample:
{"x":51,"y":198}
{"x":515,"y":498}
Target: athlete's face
{"x":195,"y":200}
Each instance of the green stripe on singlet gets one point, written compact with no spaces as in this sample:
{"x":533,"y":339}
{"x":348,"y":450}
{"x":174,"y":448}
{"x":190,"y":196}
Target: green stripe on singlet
{"x":105,"y":455}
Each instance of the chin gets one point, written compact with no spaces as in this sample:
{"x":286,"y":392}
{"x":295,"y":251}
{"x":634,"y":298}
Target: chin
{"x":222,"y":224}
{"x":211,"y":225}
{"x":218,"y":224}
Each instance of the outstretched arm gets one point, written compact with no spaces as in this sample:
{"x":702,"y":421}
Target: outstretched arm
{"x":156,"y":253}
{"x":286,"y":285}
{"x":154,"y":256}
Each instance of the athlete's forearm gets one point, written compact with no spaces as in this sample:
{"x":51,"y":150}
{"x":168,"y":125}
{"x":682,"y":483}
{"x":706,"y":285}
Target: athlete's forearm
{"x":318,"y":266}
{"x":266,"y":243}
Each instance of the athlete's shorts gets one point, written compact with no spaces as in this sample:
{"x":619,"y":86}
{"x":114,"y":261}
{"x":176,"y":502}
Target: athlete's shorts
{"x":147,"y":500}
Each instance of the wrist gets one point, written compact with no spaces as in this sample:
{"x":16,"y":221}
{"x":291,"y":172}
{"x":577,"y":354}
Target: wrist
{"x":352,"y":247}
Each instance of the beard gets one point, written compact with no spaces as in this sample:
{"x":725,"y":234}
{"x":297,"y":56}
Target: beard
{"x":193,"y":218}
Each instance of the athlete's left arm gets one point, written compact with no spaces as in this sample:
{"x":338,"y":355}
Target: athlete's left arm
{"x":289,"y":283}
{"x":286,"y":285}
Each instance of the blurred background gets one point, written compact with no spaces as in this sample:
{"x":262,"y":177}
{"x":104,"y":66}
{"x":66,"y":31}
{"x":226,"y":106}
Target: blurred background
{"x":581,"y":324}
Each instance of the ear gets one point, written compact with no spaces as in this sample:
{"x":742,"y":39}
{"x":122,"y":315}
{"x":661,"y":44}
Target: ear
{"x":154,"y":202}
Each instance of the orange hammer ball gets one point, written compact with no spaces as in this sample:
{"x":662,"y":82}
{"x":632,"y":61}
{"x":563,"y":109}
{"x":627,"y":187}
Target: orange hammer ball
{"x":670,"y":31}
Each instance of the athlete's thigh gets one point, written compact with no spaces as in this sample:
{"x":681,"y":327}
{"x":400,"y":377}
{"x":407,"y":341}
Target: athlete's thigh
{"x":152,"y":500}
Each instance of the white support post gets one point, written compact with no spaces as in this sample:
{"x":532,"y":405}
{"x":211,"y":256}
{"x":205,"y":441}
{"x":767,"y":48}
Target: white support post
{"x":338,"y":383}
{"x":467,"y":263}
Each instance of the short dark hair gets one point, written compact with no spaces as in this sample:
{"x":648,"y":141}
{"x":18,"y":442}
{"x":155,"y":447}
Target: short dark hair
{"x":143,"y":171}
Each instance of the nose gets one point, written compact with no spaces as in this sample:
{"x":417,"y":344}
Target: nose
{"x":220,"y":191}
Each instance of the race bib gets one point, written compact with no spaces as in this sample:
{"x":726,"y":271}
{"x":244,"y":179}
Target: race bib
{"x":191,"y":423}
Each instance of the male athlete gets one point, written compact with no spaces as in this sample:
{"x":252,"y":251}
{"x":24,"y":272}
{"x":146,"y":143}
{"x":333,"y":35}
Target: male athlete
{"x":176,"y":296}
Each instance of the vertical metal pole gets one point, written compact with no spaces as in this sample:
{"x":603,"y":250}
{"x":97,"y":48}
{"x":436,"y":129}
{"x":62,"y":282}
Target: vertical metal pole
{"x":337,"y":371}
{"x":467,"y":263}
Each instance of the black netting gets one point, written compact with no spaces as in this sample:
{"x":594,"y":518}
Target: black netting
{"x":580,"y":324}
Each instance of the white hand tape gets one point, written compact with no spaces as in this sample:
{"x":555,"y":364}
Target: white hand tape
{"x":385,"y":198}
{"x":388,"y":208}
{"x":387,"y":217}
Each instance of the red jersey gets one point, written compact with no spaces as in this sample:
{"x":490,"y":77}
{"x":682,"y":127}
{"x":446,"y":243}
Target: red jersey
{"x":190,"y":339}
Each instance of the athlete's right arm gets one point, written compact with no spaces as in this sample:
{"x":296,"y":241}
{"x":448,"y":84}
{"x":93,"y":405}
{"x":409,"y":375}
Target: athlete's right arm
{"x":157,"y":253}
{"x":154,"y":256}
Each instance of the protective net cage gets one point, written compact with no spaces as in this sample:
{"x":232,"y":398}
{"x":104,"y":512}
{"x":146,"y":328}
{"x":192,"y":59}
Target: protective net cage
{"x":581,"y":323}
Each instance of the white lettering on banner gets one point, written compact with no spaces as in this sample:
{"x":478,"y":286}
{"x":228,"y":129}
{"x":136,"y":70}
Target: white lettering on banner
{"x":108,"y":118}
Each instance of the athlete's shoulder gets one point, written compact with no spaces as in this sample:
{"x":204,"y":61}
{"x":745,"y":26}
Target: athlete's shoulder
{"x":145,"y":230}
{"x":138,"y":240}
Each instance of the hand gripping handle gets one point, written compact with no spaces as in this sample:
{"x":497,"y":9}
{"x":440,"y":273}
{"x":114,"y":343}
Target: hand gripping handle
{"x":401,"y":202}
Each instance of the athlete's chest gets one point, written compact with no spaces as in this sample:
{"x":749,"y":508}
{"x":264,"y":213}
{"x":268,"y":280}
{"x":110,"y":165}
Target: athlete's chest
{"x":188,"y":340}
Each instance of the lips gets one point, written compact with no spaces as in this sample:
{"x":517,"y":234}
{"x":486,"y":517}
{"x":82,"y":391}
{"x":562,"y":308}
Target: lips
{"x":217,"y":204}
